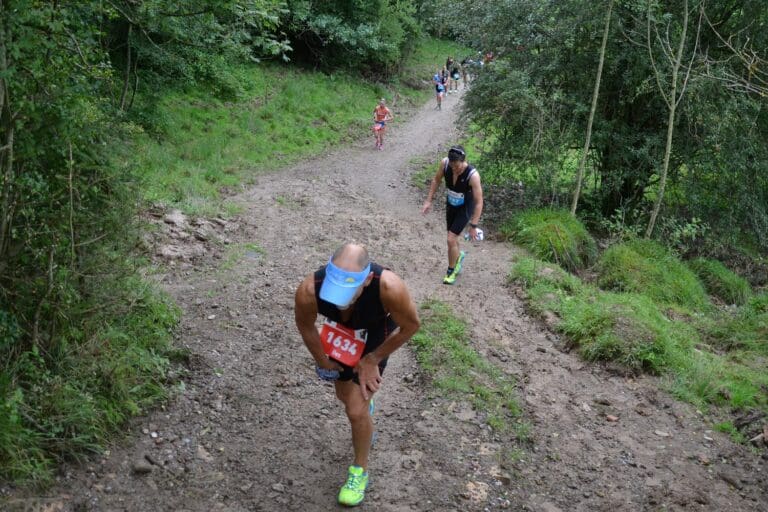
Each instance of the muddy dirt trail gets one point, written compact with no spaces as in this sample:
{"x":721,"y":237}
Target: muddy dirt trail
{"x":255,"y":430}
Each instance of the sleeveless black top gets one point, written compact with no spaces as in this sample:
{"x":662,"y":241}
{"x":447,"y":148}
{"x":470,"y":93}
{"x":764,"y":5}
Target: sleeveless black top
{"x":462,"y":184}
{"x":368,"y":311}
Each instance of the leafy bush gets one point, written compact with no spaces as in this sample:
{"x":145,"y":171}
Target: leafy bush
{"x":647,"y":268}
{"x":721,"y":282}
{"x":373,"y":34}
{"x":553,"y":235}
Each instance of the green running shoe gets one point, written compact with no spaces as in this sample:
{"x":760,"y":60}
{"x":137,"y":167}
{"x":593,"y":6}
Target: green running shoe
{"x":450,"y":278}
{"x":353,"y":491}
{"x":459,"y":261}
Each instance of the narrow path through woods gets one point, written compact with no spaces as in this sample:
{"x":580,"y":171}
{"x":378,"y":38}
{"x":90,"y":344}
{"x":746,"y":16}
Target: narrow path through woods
{"x":255,"y":430}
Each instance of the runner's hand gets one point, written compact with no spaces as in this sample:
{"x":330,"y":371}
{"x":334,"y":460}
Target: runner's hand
{"x":427,"y":205}
{"x":368,"y":374}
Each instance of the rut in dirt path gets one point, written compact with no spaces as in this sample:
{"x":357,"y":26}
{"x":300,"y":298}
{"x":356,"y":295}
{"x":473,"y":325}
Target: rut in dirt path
{"x":255,"y":430}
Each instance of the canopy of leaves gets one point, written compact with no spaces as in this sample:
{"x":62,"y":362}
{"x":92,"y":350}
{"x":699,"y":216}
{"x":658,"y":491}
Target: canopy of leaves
{"x":371,"y":34}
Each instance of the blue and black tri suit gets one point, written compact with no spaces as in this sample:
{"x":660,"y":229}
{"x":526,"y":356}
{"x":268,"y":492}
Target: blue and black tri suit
{"x":367,"y":313}
{"x":460,"y":200}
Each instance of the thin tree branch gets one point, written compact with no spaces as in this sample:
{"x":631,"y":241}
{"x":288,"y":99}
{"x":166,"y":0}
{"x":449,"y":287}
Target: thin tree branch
{"x":649,"y":45}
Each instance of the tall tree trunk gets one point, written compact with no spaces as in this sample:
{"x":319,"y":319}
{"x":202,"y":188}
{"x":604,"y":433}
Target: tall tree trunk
{"x":672,"y":100}
{"x":127,"y":80}
{"x":6,"y":147}
{"x":595,"y":95}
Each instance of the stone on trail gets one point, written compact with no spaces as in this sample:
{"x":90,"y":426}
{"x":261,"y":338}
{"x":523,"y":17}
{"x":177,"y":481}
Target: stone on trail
{"x":141,"y":467}
{"x":175,"y":218}
{"x":203,"y":454}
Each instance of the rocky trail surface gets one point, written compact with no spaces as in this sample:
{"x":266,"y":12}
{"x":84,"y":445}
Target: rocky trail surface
{"x":254,"y":430}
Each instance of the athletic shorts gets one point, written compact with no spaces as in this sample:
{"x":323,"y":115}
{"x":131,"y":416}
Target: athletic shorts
{"x":456,"y":218}
{"x":375,"y":338}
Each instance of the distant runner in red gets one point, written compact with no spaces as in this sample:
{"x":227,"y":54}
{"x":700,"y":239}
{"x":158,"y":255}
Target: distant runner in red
{"x":381,"y":114}
{"x":368,"y":314}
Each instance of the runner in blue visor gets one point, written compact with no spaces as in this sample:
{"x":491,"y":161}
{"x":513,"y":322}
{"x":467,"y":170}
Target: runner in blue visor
{"x":368,"y":314}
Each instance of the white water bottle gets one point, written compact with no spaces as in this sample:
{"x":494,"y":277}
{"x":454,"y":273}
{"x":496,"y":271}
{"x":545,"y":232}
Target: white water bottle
{"x":479,"y":235}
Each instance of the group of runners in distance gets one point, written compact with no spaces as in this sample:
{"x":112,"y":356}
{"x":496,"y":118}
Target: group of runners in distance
{"x":446,"y":80}
{"x":368,"y":311}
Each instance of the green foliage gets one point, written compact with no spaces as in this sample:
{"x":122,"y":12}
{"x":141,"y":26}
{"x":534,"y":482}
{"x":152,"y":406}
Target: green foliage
{"x":721,"y":282}
{"x":443,"y":350}
{"x":61,"y":404}
{"x":191,"y":42}
{"x":372,"y":34}
{"x":643,"y":335}
{"x":646,"y":267}
{"x":553,"y":235}
{"x":75,"y":359}
{"x":532,"y":103}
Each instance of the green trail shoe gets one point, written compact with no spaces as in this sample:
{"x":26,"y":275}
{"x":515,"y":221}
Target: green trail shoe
{"x":450,"y":278}
{"x":459,"y":261}
{"x":353,"y":491}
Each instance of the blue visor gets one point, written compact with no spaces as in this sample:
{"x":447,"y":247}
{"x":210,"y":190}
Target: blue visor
{"x":340,"y":286}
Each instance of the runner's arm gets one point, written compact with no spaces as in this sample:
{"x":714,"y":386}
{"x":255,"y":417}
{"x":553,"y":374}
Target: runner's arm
{"x":433,"y":187}
{"x":398,"y":303}
{"x":477,"y":193}
{"x":305,"y":313}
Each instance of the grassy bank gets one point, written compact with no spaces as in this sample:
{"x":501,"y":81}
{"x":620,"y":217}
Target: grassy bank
{"x":708,"y":358}
{"x":643,"y":308}
{"x":204,"y":147}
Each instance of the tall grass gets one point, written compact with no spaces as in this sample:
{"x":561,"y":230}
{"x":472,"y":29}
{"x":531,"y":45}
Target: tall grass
{"x":721,"y":282}
{"x":552,"y":235}
{"x":58,"y":406}
{"x":646,"y":267}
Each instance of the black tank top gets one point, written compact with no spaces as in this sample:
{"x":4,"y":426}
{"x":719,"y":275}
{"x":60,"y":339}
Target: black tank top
{"x":368,"y":311}
{"x":462,"y":183}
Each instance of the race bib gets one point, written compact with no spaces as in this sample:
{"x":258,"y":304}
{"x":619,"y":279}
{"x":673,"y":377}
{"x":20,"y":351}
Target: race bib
{"x":341,"y":343}
{"x":454,"y":198}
